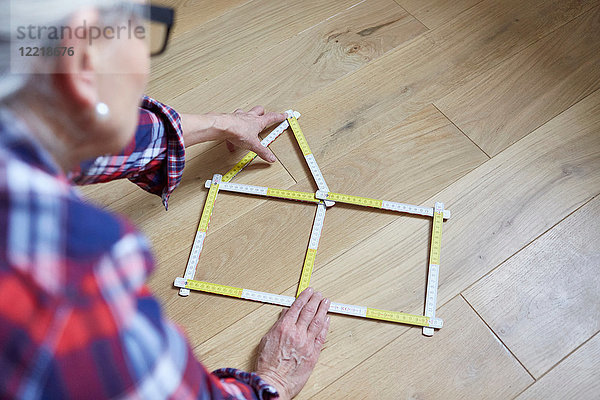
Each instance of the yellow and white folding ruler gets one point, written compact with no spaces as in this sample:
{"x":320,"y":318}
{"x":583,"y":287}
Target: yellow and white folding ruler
{"x":266,"y":191}
{"x":190,"y":269}
{"x":311,"y":252}
{"x":320,"y":195}
{"x":308,"y":156}
{"x":339,"y":308}
{"x":434,"y":265}
{"x":321,"y":198}
{"x":383,"y":204}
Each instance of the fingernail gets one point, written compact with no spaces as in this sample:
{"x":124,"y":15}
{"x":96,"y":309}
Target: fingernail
{"x":327,"y":320}
{"x":309,"y":290}
{"x":272,"y":159}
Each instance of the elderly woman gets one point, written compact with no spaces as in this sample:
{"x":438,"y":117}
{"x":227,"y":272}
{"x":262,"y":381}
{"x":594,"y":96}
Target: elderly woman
{"x":76,"y":319}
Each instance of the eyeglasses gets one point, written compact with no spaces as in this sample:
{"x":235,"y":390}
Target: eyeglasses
{"x":161,"y":20}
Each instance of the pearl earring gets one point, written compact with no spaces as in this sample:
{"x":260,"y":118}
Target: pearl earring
{"x":102,"y":111}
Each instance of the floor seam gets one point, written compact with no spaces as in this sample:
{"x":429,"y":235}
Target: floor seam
{"x":497,"y":337}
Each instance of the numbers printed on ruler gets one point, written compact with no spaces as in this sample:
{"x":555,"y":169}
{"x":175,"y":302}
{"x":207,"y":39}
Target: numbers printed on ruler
{"x":299,"y":136}
{"x":310,"y":158}
{"x":293,"y":195}
{"x":339,"y":308}
{"x":436,"y":239}
{"x":315,"y":235}
{"x":239,"y":166}
{"x":434,"y":267}
{"x":309,"y":262}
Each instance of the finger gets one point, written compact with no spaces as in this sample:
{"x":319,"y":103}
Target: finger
{"x":257,"y":110}
{"x":322,"y":336}
{"x":230,"y":146}
{"x":316,"y":325}
{"x":308,"y":311}
{"x":273,"y":118}
{"x":294,"y":310}
{"x":280,"y":318}
{"x":263,"y":152}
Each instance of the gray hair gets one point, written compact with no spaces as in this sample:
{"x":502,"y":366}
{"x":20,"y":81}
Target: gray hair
{"x":37,"y":13}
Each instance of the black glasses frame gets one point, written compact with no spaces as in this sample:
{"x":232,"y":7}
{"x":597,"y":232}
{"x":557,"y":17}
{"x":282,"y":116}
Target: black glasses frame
{"x":160,"y":14}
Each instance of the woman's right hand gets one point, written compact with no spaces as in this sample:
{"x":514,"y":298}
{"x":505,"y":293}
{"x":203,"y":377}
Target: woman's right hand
{"x":288,"y":353}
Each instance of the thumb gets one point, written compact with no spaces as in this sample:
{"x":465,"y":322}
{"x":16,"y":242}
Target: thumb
{"x":263,"y":152}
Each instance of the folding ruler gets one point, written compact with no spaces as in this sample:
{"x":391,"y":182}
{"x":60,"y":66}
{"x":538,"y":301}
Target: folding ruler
{"x":323,"y":198}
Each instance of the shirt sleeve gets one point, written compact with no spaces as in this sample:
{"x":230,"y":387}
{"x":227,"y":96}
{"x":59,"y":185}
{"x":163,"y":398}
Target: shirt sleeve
{"x":153,"y":160}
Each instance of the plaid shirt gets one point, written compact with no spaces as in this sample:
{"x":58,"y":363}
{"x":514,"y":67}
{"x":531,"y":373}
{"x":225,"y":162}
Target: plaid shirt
{"x":76,"y":318}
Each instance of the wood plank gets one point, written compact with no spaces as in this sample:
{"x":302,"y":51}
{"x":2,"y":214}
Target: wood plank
{"x":577,"y":377}
{"x":248,"y":251}
{"x":104,"y":194}
{"x":497,"y":209}
{"x":304,"y":63}
{"x":219,"y":44}
{"x":512,"y":99}
{"x":434,"y":13}
{"x":542,"y":303}
{"x":191,"y":14}
{"x":422,"y":71}
{"x":457,"y":363}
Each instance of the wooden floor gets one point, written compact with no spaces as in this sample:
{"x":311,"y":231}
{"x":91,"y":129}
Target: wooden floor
{"x":492,"y":107}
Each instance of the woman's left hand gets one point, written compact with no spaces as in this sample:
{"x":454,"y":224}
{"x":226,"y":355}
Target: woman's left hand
{"x":241,"y":129}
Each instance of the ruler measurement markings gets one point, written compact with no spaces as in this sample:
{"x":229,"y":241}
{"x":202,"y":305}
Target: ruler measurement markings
{"x":338,"y":308}
{"x":434,"y":265}
{"x":309,"y":157}
{"x":209,"y":204}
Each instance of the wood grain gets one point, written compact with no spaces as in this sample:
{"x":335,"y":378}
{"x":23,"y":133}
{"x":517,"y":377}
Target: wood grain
{"x":577,"y":377}
{"x":278,"y":76}
{"x":212,"y":48}
{"x":104,"y":194}
{"x":512,"y":99}
{"x":189,"y":14}
{"x":413,"y":75}
{"x":498,"y":208}
{"x":542,"y":302}
{"x":456,"y":363}
{"x":434,"y":13}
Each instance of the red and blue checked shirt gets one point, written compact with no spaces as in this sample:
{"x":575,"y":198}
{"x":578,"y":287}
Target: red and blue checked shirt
{"x":76,"y":318}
